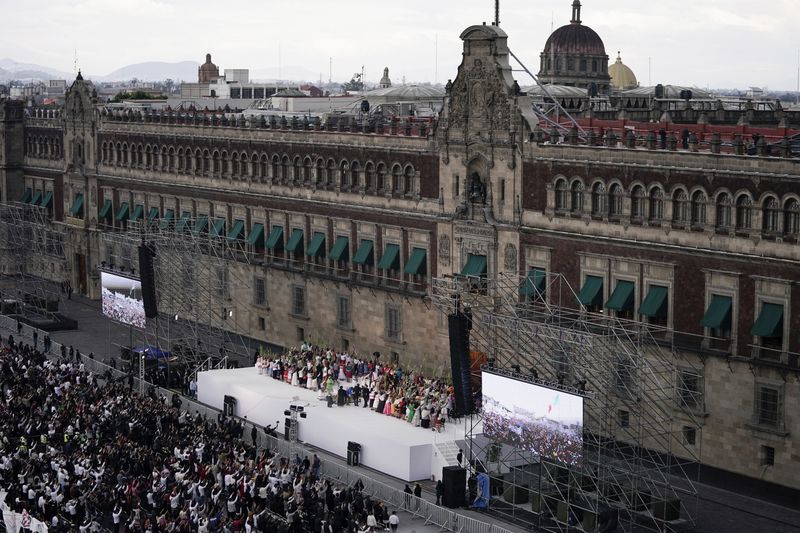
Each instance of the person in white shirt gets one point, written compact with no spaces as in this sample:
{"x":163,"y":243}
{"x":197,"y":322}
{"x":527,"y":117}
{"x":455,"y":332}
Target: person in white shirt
{"x":372,"y":524}
{"x":394,"y":521}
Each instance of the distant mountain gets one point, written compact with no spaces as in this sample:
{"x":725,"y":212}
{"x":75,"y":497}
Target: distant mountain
{"x":14,"y":70}
{"x":154,"y":71}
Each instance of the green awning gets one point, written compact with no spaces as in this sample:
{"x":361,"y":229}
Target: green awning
{"x":316,"y":248}
{"x":476,"y":266}
{"x":218,"y":227}
{"x":184,"y":221}
{"x":364,"y":254}
{"x":339,"y":250}
{"x":535,"y":282}
{"x":237,"y":231}
{"x":123,"y":212}
{"x":26,"y":196}
{"x":390,"y":260}
{"x":48,"y":199}
{"x":138,"y":212}
{"x":417,"y":264}
{"x":77,"y":205}
{"x":36,"y":198}
{"x":655,"y":303}
{"x":295,"y":241}
{"x":167,"y":219}
{"x":105,"y":212}
{"x":201,"y":224}
{"x":718,"y":314}
{"x":591,"y":294}
{"x":770,"y":322}
{"x":153,"y":214}
{"x":256,"y":237}
{"x":275,"y":240}
{"x":622,"y":297}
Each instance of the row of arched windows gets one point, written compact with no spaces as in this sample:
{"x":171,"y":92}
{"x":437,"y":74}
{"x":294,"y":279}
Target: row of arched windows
{"x":372,"y":177}
{"x":732,"y":211}
{"x":43,"y":147}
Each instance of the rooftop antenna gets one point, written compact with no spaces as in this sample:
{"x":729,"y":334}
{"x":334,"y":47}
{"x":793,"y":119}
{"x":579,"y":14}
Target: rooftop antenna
{"x":280,"y":65}
{"x":496,"y":12}
{"x":330,"y":70}
{"x":649,"y":71}
{"x":75,"y":65}
{"x":798,"y":77}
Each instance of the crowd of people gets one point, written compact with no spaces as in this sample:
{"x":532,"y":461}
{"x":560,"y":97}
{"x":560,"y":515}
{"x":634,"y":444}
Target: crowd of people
{"x":81,"y":452}
{"x":386,"y":388}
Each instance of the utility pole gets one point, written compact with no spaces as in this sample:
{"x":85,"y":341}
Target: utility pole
{"x":496,"y":12}
{"x":330,"y":71}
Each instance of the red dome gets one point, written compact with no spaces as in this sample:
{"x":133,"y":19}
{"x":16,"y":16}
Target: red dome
{"x":575,"y":38}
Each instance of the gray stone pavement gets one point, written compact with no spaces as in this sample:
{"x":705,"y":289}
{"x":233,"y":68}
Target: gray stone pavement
{"x":719,"y":510}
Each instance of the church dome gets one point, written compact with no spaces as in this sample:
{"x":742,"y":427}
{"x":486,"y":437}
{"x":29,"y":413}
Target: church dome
{"x":207,"y":71}
{"x":575,"y":38}
{"x":622,"y":77}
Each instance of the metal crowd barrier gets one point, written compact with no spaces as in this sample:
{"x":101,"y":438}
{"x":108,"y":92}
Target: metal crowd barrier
{"x":432,"y":514}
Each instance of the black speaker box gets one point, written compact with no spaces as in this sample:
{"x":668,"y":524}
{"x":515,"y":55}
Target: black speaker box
{"x":148,"y":277}
{"x":454,"y":479}
{"x":458,"y":329}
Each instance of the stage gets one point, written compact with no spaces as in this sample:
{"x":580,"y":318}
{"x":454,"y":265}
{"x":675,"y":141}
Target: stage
{"x":388,"y":444}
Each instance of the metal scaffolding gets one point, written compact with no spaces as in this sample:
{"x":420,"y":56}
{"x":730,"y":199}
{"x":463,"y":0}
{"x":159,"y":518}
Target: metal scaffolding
{"x":198,"y":282}
{"x":637,"y":467}
{"x":32,"y":262}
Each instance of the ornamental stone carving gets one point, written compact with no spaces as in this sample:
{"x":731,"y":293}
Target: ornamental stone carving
{"x":510,"y":258}
{"x":444,"y":250}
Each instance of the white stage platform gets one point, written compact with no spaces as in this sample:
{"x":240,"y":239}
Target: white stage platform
{"x":388,"y":445}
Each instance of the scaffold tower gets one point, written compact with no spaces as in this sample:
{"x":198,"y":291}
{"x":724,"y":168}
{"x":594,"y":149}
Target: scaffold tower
{"x":637,"y":468}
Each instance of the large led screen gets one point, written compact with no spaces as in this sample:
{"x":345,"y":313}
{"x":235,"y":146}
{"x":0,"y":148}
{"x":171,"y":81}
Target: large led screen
{"x":544,"y":421}
{"x":122,"y":299}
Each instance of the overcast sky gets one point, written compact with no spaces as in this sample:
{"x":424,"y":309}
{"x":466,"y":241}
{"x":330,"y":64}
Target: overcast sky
{"x":715,"y":43}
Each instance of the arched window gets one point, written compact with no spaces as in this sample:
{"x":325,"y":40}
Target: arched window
{"x":743,"y":212}
{"x":217,"y":163}
{"x":577,"y":197}
{"x":562,"y":195}
{"x":181,"y":161}
{"x":791,"y":217}
{"x":770,"y":213}
{"x":297,"y":169}
{"x":598,"y":199}
{"x":615,"y":201}
{"x":656,"y":204}
{"x":723,"y":211}
{"x":307,"y":167}
{"x":276,"y":167}
{"x":396,"y":179}
{"x":140,"y":156}
{"x":344,"y":174}
{"x":330,"y":174}
{"x":165,"y":160}
{"x":118,"y":158}
{"x":234,"y":165}
{"x":320,"y":172}
{"x":381,"y":174}
{"x":171,"y":159}
{"x":408,"y":180}
{"x":699,"y":202}
{"x":206,"y":162}
{"x":355,"y":174}
{"x":637,"y":202}
{"x":262,"y":168}
{"x":369,"y":177}
{"x":124,"y":154}
{"x":680,"y":207}
{"x":148,"y":157}
{"x":285,"y":170}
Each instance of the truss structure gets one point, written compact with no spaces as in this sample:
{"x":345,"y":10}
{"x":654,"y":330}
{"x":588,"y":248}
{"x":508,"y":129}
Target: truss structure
{"x":197,"y":278}
{"x":32,"y":262}
{"x":637,"y":469}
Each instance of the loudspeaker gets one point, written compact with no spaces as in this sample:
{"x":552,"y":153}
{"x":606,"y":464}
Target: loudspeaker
{"x":148,"y":277}
{"x":454,"y":480}
{"x":229,"y":406}
{"x":458,"y":328}
{"x":287,"y":428}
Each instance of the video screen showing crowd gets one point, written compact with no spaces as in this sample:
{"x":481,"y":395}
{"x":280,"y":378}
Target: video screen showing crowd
{"x":544,"y":421}
{"x":122,"y":299}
